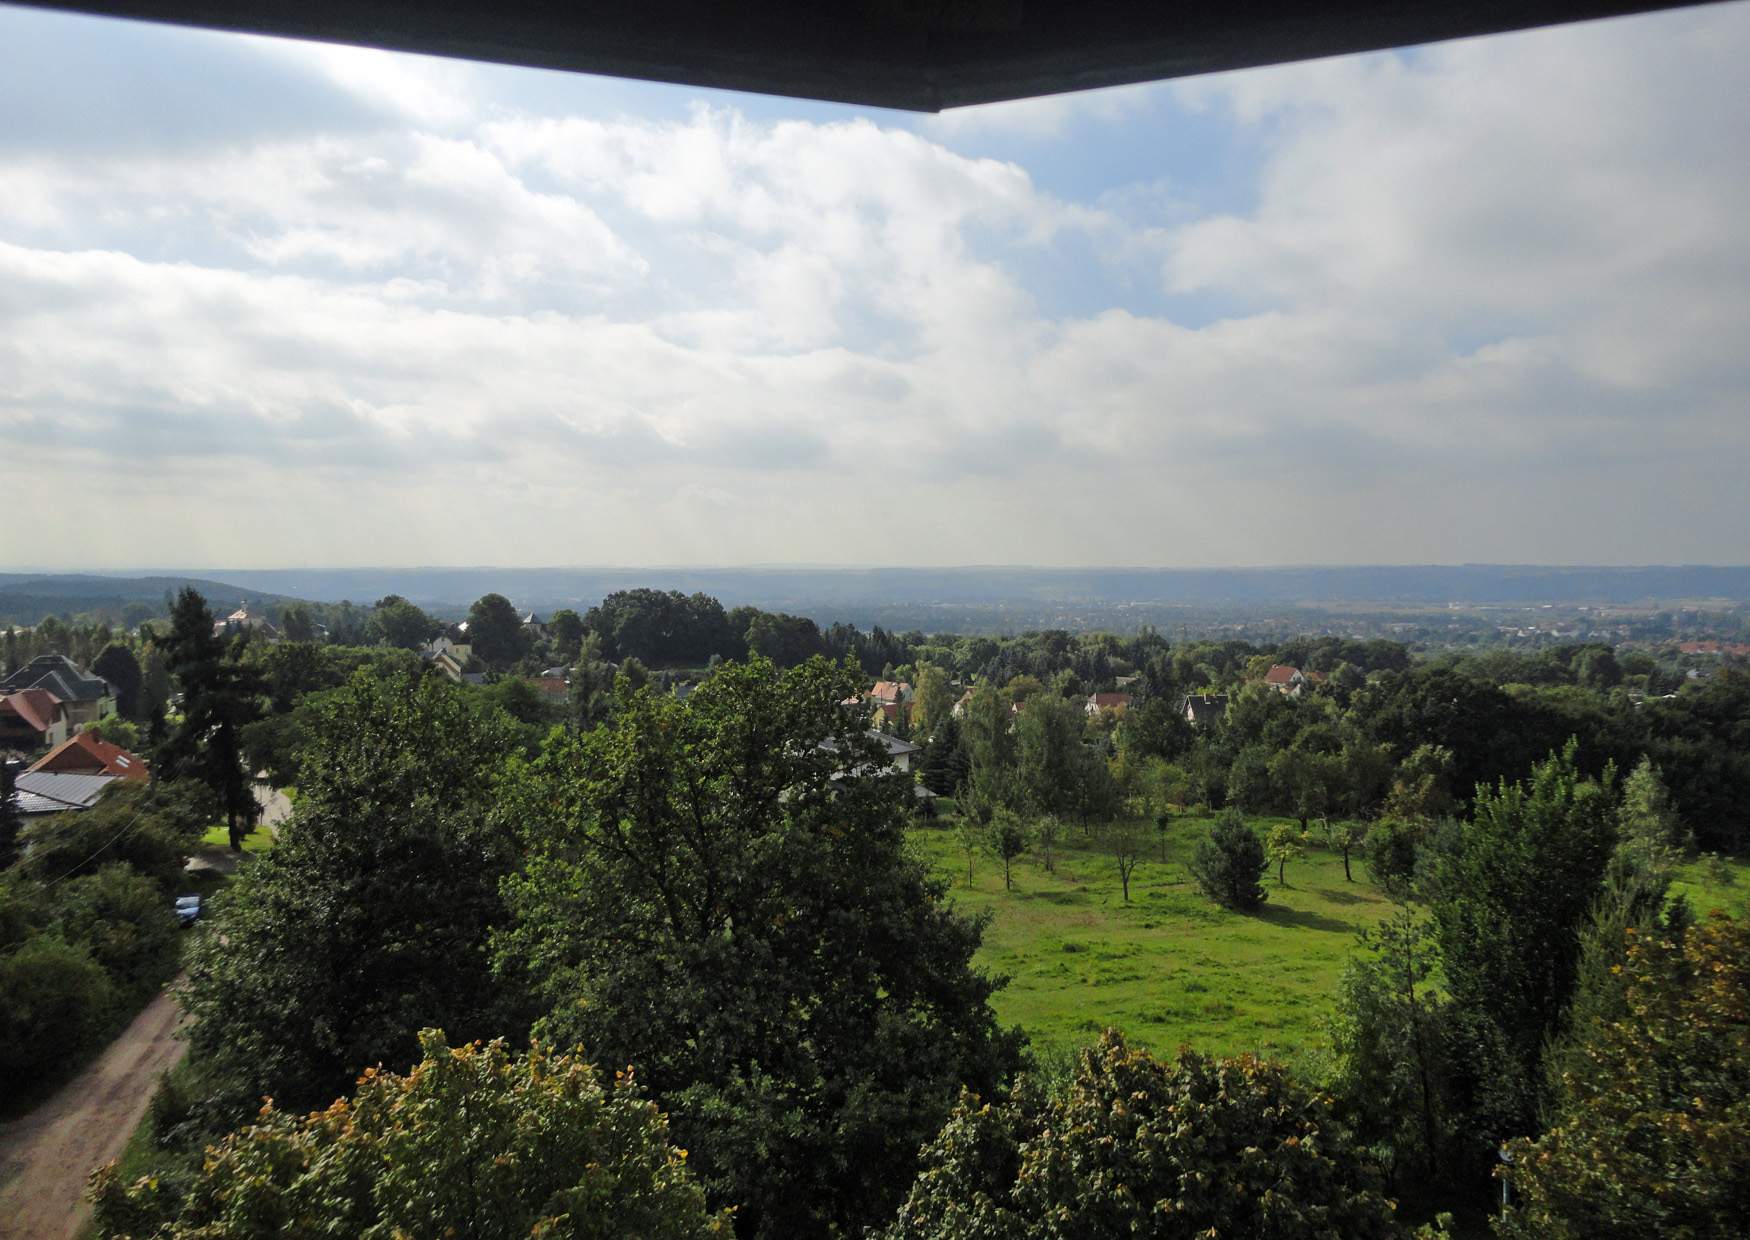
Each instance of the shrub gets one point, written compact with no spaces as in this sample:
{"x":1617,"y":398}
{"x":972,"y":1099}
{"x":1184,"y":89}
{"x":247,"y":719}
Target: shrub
{"x":473,"y":1141}
{"x":126,"y":923}
{"x":1133,"y":1146}
{"x":54,"y":1002}
{"x":152,"y":827}
{"x":1228,"y":864}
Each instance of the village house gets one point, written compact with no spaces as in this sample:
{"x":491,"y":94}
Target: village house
{"x":1202,"y":709}
{"x":84,"y":697}
{"x":31,"y":719}
{"x":1286,"y":680}
{"x":89,"y":754}
{"x":1107,"y":703}
{"x":891,"y":692}
{"x":901,"y":754}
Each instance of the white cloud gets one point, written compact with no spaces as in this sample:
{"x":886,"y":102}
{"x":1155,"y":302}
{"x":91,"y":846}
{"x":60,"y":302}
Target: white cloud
{"x":1484,"y":300}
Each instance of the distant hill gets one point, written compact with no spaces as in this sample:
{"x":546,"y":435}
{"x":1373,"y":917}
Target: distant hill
{"x":810,"y":590}
{"x":27,"y":598}
{"x":948,"y":599}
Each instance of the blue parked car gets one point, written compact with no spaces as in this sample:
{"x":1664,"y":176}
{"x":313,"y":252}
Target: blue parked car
{"x":188,"y":909}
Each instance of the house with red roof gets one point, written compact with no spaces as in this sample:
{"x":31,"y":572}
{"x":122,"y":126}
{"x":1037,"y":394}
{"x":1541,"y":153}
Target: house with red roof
{"x":31,"y":719}
{"x":891,"y":692}
{"x":89,"y":754}
{"x":1107,"y":703}
{"x":84,"y":697}
{"x":1285,"y":680}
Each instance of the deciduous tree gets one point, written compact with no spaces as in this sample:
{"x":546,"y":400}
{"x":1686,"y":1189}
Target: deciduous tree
{"x":369,"y":919}
{"x":1650,"y":1131}
{"x":495,"y":632}
{"x":719,"y":891}
{"x":1137,"y":1147}
{"x":1284,"y":845}
{"x":1389,"y":1040}
{"x":474,"y":1141}
{"x":1509,"y":893}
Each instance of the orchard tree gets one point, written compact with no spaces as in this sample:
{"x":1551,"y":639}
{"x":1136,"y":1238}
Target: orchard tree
{"x":474,"y":1141}
{"x":1284,"y":845}
{"x":1047,"y":831}
{"x":719,"y":890}
{"x":1300,"y":784}
{"x":1124,"y":840}
{"x":1007,"y":840}
{"x":1049,"y":754}
{"x":1133,"y":1146}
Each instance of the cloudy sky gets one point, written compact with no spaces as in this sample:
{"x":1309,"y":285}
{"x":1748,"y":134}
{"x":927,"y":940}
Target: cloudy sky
{"x":272,"y":304}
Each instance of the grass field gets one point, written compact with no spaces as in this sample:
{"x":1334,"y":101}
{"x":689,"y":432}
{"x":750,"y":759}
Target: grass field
{"x":1171,"y":967}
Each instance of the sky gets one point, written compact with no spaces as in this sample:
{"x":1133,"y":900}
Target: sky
{"x":272,"y":304}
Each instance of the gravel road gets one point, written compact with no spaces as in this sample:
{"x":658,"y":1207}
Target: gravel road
{"x":46,"y":1155}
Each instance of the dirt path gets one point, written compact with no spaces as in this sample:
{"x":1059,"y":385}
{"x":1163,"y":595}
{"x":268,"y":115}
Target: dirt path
{"x":46,"y":1155}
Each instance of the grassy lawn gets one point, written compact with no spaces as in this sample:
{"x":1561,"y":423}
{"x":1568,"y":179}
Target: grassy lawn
{"x":1170,"y":967}
{"x":1705,"y":896}
{"x":258,"y":840}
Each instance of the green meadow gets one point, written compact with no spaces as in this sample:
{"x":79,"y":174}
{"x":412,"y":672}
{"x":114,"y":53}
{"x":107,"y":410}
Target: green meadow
{"x":1172,"y":968}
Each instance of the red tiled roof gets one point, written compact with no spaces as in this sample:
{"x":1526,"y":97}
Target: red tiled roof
{"x":89,"y":754}
{"x":888,"y":690}
{"x":554,"y":686}
{"x":1109,"y":701}
{"x":37,"y":707}
{"x":1280,"y":674}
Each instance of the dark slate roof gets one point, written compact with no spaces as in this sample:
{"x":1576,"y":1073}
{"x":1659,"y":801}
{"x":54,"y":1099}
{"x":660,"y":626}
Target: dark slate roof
{"x":61,"y":677}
